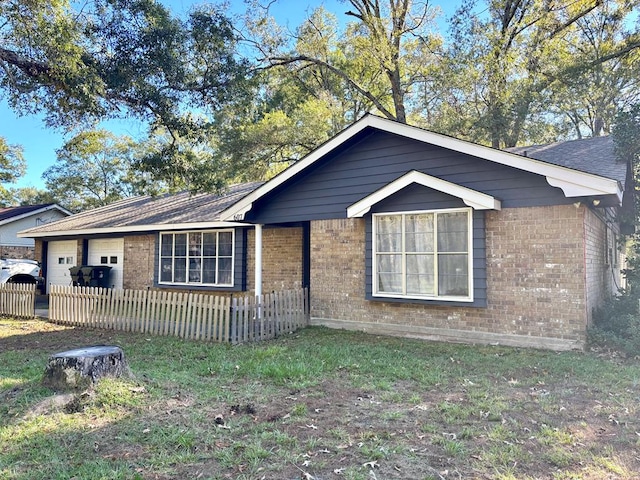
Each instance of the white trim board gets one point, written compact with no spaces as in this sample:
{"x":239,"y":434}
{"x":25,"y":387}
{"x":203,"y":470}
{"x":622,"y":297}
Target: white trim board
{"x":471,"y":198}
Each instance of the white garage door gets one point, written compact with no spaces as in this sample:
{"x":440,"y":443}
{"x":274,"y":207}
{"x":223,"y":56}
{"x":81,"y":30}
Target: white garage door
{"x":109,"y":252}
{"x":61,"y":256}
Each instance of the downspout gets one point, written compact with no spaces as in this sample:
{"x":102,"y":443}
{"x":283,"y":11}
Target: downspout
{"x":258,"y":261}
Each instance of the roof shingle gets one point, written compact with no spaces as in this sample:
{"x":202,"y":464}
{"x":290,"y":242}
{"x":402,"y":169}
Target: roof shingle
{"x":147,"y":210}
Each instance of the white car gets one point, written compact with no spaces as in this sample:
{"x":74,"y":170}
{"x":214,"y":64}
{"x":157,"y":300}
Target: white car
{"x":13,"y":270}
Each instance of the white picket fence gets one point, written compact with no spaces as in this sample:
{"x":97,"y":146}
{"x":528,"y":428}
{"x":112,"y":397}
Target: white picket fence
{"x":196,"y":316}
{"x":18,"y":299}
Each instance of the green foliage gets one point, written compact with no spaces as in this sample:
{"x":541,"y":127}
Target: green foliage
{"x":617,"y":322}
{"x":12,"y":167}
{"x":617,"y":325}
{"x":164,"y":422}
{"x":81,"y":63}
{"x":96,"y":168}
{"x":519,"y":69}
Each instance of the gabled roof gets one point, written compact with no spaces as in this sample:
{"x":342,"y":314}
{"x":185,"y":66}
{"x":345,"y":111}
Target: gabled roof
{"x":12,"y":214}
{"x":139,"y":214}
{"x":472,"y":198}
{"x":593,"y":155}
{"x":574,"y":181}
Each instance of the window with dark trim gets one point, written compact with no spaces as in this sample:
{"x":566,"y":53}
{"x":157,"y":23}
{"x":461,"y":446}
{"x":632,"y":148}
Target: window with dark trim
{"x":197,"y":258}
{"x":423,"y":255}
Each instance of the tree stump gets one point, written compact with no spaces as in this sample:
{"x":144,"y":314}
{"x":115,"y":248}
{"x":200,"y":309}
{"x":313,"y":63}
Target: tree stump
{"x":82,"y":367}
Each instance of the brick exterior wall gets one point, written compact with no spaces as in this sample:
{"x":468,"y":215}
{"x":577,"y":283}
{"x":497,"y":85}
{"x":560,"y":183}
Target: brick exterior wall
{"x":602,"y":258}
{"x":38,"y":251}
{"x":17,"y":252}
{"x":281,"y":259}
{"x":139,"y":261}
{"x":536,"y":287}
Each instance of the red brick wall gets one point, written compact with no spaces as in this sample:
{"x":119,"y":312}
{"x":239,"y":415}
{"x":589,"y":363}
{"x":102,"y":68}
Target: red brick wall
{"x":139,"y":261}
{"x":602,"y":258}
{"x":281,"y":259}
{"x":536,"y":282}
{"x":17,"y":252}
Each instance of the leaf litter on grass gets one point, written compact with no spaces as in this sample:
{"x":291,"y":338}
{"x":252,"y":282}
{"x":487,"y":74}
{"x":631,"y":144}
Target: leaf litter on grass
{"x":355,"y":406}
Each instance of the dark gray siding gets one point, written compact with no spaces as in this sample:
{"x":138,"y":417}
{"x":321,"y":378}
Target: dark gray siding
{"x":375,"y":159}
{"x":417,"y":197}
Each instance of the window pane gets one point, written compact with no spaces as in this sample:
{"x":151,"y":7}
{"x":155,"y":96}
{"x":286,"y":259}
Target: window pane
{"x":180,"y":245}
{"x":209,"y":270}
{"x":389,"y":233}
{"x":389,"y":270}
{"x":195,"y":273}
{"x":225,"y":244}
{"x":195,"y":244}
{"x":224,"y":271}
{"x":419,"y":233}
{"x":209,"y":244}
{"x":166,"y":248}
{"x":165,"y":270}
{"x":453,"y":275}
{"x":452,"y":232}
{"x":420,"y":275}
{"x":180,"y":269}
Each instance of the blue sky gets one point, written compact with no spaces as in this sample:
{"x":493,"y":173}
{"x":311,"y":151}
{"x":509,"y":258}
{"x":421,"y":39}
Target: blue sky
{"x":40,"y":142}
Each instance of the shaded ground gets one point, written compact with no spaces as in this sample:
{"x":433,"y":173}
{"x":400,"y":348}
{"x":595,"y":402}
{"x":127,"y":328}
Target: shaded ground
{"x":472,"y":412}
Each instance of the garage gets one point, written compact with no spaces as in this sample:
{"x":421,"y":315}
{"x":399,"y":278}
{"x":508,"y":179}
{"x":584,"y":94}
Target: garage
{"x":61,"y":255}
{"x":108,"y":252}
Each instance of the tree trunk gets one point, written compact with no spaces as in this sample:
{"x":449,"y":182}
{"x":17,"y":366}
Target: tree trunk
{"x":82,"y":367}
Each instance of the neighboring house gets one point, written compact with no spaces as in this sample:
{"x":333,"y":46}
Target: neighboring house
{"x":15,"y":219}
{"x":395,"y":230}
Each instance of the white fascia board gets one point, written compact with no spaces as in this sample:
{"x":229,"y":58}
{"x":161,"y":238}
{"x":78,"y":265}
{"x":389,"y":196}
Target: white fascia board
{"x":159,"y":227}
{"x":472,"y":198}
{"x":573,"y":183}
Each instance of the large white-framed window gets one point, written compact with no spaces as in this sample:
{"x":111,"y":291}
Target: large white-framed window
{"x":197,"y":258}
{"x":423,"y":254}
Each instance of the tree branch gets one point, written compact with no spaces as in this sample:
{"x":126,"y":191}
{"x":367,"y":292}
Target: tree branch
{"x":31,"y":68}
{"x":282,"y":61}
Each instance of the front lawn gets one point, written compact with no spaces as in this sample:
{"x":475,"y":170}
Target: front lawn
{"x":319,"y":404}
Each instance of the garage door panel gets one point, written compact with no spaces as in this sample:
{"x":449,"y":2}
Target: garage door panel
{"x":61,"y":256}
{"x":108,"y":252}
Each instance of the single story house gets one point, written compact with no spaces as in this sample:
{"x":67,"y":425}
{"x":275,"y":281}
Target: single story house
{"x":16,"y":219}
{"x":394,"y":230}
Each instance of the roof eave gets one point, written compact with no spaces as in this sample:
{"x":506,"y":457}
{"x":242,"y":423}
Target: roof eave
{"x":157,"y":227}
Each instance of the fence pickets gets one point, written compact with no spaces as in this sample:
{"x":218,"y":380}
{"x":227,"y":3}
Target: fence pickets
{"x":194,"y":316}
{"x":18,"y":299}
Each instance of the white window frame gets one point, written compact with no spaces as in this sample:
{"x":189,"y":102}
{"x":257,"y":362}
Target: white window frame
{"x":201,"y":256}
{"x":452,"y":298}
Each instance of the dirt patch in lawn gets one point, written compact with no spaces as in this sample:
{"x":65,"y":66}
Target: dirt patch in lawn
{"x":528,"y":423}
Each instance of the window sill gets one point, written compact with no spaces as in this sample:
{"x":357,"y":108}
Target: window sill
{"x":477,"y":303}
{"x":198,"y":287}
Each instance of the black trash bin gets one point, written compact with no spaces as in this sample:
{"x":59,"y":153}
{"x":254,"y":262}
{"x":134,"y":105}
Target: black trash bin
{"x":100,"y":276}
{"x":91,"y":276}
{"x":78,"y":277}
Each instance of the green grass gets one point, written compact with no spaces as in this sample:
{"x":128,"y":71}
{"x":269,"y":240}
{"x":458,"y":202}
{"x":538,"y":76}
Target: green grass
{"x":315,"y":403}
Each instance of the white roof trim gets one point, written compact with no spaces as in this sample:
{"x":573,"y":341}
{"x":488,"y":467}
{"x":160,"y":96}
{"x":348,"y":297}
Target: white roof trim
{"x":573,"y":183}
{"x":471,"y":198}
{"x":158,"y":227}
{"x":35,"y":212}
